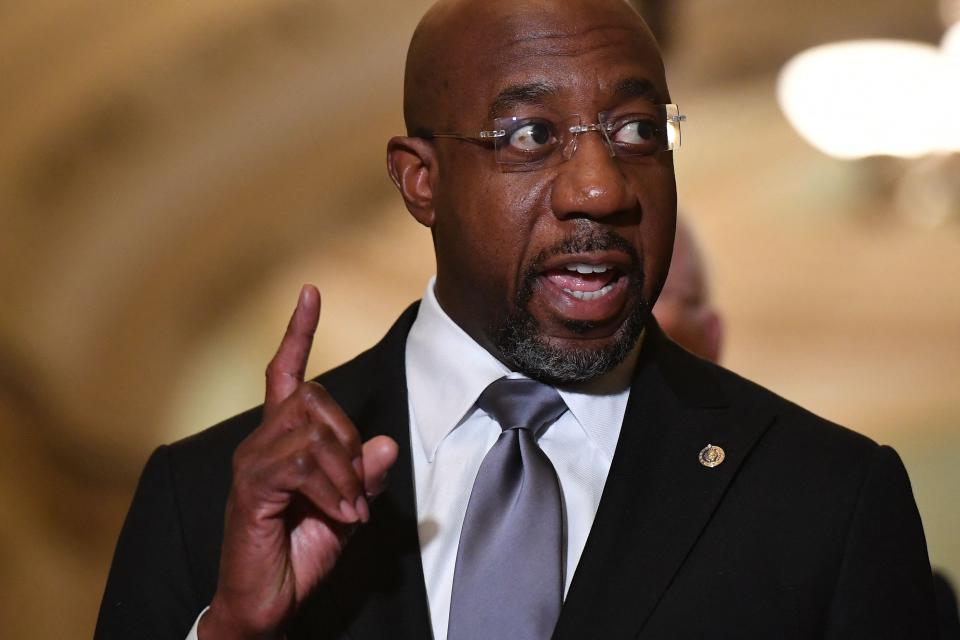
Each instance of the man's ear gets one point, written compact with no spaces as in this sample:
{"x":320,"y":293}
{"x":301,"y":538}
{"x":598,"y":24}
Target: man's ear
{"x":411,"y":163}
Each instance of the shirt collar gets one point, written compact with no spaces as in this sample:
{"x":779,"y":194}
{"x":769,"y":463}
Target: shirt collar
{"x":447,"y":370}
{"x":599,"y":405}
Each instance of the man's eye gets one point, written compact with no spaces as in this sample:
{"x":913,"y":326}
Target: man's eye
{"x":636,"y":132}
{"x":532,"y":136}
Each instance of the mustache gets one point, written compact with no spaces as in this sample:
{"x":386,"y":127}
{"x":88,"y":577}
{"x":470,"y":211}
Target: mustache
{"x":583,"y":240}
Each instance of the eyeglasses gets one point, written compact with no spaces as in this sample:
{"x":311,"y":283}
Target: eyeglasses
{"x":528,"y":144}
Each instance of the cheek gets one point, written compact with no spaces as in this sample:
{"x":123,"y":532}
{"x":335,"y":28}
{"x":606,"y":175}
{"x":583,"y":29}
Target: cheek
{"x":481,"y":234}
{"x":459,"y":203}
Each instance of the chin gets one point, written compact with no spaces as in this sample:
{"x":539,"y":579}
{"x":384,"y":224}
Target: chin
{"x":523,"y":344}
{"x":579,"y":309}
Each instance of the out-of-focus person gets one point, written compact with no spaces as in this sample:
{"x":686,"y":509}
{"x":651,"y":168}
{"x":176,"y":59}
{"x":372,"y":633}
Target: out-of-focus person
{"x":685,"y":308}
{"x":947,"y":612}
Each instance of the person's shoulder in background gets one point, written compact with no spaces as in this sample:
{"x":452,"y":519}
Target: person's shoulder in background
{"x":949,"y":619}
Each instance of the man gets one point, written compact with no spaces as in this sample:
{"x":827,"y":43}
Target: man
{"x":671,"y":498}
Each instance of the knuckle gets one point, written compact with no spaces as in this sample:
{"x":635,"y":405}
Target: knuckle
{"x":313,"y":433}
{"x":302,"y":462}
{"x":273,"y":368}
{"x":314,"y":394}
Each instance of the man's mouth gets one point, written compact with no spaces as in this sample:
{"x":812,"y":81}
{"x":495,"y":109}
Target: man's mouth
{"x":587,"y":287}
{"x":584,"y":281}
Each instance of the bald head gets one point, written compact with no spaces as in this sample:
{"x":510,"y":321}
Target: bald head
{"x":459,"y":43}
{"x":684,"y":310}
{"x":513,"y":214}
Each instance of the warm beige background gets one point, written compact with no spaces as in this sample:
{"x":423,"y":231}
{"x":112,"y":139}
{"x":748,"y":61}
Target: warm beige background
{"x":171,"y":172}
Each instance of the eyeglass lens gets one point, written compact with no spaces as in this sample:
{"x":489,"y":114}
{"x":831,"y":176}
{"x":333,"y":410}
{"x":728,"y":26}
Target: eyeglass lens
{"x":527,"y":143}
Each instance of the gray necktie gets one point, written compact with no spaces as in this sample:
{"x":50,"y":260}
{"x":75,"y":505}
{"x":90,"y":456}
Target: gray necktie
{"x":508,"y":581}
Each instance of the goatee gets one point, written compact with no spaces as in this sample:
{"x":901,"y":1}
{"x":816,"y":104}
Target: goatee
{"x":519,"y":337}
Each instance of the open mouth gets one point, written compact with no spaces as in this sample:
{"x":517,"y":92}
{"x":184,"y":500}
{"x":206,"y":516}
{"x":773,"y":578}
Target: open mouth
{"x":589,"y":287}
{"x":585,"y":281}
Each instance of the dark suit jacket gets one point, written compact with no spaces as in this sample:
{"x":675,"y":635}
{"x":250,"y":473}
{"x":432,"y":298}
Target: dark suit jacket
{"x":806,"y":530}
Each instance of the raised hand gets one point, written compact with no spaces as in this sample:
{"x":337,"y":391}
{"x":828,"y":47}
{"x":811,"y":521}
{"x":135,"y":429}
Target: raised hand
{"x":300,"y":487}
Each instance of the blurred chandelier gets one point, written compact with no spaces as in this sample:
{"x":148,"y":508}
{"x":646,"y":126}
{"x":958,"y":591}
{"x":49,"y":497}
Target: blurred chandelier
{"x":894,"y":98}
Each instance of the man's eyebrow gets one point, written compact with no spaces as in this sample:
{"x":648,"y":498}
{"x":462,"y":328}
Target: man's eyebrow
{"x":521,"y":94}
{"x":636,"y":88}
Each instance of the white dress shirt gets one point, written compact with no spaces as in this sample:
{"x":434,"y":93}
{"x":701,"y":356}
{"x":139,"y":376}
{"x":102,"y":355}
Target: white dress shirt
{"x":446,"y":372}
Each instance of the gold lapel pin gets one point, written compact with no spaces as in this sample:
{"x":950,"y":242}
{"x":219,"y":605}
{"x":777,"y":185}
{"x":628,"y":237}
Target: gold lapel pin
{"x":711,"y":456}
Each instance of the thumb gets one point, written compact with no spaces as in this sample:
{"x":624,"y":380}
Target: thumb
{"x":379,"y":454}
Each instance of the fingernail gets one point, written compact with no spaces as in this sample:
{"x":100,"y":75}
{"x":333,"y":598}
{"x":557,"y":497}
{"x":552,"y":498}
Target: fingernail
{"x":363,"y":509}
{"x":303,"y":294}
{"x":381,"y":484}
{"x":348,"y":511}
{"x":358,"y":466}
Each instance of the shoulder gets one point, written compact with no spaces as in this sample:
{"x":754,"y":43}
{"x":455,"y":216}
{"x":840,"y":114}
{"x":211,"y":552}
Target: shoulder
{"x":802,"y":440}
{"x":809,"y":508}
{"x":794,"y":425}
{"x":796,"y":468}
{"x":794,"y":438}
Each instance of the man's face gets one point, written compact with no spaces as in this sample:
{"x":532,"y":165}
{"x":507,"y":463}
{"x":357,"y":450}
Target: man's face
{"x":512,"y":246}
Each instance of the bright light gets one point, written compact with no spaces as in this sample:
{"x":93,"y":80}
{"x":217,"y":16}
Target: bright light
{"x":874,"y":97}
{"x":950,"y":47}
{"x":951,"y":43}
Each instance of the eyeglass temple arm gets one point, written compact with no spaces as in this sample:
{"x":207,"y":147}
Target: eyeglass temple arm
{"x":484,"y":135}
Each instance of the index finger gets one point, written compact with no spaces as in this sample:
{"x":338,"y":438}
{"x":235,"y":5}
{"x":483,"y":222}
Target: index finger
{"x":288,"y":367}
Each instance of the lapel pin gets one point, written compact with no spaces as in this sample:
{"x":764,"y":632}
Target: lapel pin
{"x":711,"y":456}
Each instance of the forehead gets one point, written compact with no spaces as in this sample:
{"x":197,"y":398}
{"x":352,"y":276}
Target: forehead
{"x":581,"y":59}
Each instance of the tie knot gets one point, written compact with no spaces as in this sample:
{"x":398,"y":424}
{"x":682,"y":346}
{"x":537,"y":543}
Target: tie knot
{"x":521,"y":403}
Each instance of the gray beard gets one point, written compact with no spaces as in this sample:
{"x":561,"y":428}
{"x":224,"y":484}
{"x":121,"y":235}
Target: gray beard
{"x":519,"y":337}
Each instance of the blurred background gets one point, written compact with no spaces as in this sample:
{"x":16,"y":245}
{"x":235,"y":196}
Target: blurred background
{"x":172,"y":172}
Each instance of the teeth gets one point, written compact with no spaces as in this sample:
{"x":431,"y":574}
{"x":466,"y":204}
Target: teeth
{"x":590,"y":295}
{"x":587,"y":268}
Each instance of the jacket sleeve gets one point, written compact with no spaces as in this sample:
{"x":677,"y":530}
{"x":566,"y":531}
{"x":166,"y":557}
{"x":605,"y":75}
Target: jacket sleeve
{"x":150,"y":590}
{"x":885,"y":585}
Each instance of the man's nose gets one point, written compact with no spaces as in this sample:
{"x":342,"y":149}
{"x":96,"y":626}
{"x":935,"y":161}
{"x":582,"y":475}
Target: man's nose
{"x":591,"y":183}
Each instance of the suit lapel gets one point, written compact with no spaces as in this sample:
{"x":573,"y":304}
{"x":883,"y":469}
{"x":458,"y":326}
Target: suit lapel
{"x":658,"y":497}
